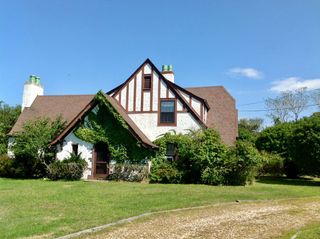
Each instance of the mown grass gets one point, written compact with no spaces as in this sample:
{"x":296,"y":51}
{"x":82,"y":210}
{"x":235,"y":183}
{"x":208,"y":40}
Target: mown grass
{"x":37,"y":207}
{"x":311,"y":231}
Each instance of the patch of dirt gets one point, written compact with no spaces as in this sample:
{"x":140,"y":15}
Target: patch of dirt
{"x":268,"y":219}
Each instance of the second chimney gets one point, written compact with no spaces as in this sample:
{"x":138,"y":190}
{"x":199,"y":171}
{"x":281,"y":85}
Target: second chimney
{"x":168,"y":73}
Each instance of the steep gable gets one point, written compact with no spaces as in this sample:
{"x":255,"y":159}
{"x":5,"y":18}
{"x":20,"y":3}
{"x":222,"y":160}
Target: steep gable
{"x":135,"y":98}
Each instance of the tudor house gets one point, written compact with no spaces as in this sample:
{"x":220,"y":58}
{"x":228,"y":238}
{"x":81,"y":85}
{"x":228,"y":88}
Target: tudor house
{"x":149,"y":102}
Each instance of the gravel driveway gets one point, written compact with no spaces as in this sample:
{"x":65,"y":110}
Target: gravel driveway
{"x":268,"y":219}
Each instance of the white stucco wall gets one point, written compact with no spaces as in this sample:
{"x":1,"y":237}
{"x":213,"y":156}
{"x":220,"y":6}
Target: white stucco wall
{"x":147,"y":69}
{"x":196,"y":105}
{"x":155,"y":86}
{"x":146,"y":100}
{"x":84,"y":148}
{"x":138,"y":91}
{"x":148,"y":123}
{"x":131,"y":95}
{"x":124,"y":97}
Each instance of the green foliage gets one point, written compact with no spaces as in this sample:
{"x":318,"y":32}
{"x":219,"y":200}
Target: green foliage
{"x":164,"y":172}
{"x":241,"y":164}
{"x":8,"y":116}
{"x":248,"y":129}
{"x":31,"y":147}
{"x":6,"y":166}
{"x":297,"y":142}
{"x":105,"y":124}
{"x":71,"y":168}
{"x":129,"y":172}
{"x":304,"y":145}
{"x":272,"y":164}
{"x":203,"y":158}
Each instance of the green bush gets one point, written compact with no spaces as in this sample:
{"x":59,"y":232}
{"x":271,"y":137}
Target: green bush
{"x":6,"y":166}
{"x":272,"y":164}
{"x":213,"y":176}
{"x":129,"y":172}
{"x":71,"y":168}
{"x":241,"y":164}
{"x":164,"y":172}
{"x":304,"y":145}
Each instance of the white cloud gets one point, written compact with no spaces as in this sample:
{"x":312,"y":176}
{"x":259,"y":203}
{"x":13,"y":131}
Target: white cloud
{"x":294,"y":83}
{"x":246,"y":72}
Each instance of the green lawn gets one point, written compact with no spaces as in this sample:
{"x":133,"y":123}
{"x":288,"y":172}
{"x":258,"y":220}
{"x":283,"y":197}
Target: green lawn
{"x":37,"y":207}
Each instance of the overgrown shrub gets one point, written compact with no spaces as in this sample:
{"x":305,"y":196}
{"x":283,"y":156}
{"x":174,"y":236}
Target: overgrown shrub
{"x":6,"y":166}
{"x":164,"y":172}
{"x":272,"y":164}
{"x":241,"y":164}
{"x":71,"y":168}
{"x":203,"y":158}
{"x":304,"y":145}
{"x":32,"y":152}
{"x":129,"y":172}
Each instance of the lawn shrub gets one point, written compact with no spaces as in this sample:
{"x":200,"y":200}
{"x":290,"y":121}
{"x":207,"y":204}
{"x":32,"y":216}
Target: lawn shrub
{"x":71,"y":168}
{"x":241,"y":164}
{"x":163,"y":171}
{"x":304,"y":145}
{"x":6,"y":166}
{"x":129,"y":172}
{"x":298,"y":143}
{"x":272,"y":164}
{"x":31,"y":147}
{"x":201,"y":157}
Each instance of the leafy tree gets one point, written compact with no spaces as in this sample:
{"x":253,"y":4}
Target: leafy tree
{"x":304,"y":145}
{"x":31,"y":146}
{"x":8,"y":116}
{"x":249,"y":128}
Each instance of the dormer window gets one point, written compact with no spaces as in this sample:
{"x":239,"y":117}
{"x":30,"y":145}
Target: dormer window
{"x":147,"y":82}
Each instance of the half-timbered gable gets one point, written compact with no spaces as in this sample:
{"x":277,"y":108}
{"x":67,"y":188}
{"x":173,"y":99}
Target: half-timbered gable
{"x":157,"y":104}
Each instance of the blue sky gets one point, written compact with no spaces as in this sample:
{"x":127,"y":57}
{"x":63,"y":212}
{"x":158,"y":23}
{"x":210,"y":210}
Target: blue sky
{"x":253,"y":48}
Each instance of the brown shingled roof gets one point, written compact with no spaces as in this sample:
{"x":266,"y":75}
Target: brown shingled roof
{"x":223,"y":115}
{"x":134,"y":129}
{"x":52,"y":106}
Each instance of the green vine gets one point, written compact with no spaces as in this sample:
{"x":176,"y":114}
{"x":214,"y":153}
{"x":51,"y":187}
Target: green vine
{"x":105,"y":124}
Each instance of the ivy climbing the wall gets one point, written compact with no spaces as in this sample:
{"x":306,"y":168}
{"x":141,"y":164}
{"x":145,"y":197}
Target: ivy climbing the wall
{"x":105,"y":124}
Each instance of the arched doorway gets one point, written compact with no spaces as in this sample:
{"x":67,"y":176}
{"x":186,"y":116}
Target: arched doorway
{"x":101,"y":159}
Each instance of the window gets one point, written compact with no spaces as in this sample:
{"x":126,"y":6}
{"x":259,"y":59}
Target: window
{"x":167,"y":112}
{"x":147,"y":82}
{"x":75,"y":149}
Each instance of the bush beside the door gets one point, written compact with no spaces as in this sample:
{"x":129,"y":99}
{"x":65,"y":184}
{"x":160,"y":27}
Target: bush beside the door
{"x":71,"y":168}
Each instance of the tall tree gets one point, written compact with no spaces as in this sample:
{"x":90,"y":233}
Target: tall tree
{"x":287,"y":105}
{"x":8,"y":116}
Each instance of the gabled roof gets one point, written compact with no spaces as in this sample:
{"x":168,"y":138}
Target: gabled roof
{"x":223,"y":114}
{"x":71,"y":108}
{"x":134,"y":129}
{"x":173,"y":87}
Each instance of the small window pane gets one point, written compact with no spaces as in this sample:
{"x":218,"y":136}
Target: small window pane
{"x":147,"y":83}
{"x":167,"y":113}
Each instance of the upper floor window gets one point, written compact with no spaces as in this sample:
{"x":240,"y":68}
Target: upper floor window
{"x":167,"y":112}
{"x":147,"y":82}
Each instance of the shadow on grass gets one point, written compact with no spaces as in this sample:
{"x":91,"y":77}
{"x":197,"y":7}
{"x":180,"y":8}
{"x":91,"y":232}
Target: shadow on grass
{"x":287,"y":181}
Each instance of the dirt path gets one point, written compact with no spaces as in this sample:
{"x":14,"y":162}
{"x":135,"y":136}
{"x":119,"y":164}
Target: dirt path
{"x":268,"y":219}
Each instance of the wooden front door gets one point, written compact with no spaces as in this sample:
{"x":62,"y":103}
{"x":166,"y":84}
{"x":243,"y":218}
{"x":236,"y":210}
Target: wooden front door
{"x":101,"y":159}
